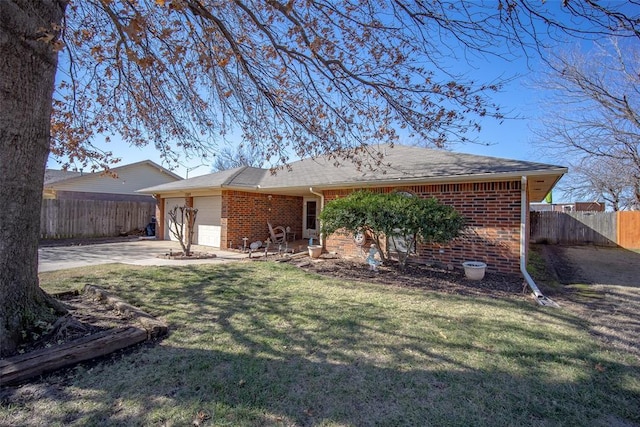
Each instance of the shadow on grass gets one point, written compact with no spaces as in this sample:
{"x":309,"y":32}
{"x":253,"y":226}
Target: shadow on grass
{"x":603,"y":284}
{"x":272,"y":349}
{"x":236,"y":389}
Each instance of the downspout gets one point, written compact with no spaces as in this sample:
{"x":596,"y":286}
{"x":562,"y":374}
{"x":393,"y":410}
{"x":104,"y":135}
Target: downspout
{"x":159,"y":213}
{"x":540,"y":298}
{"x":321,"y":208}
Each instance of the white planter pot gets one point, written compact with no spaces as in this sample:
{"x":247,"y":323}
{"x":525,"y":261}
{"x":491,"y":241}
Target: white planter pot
{"x":314,"y":251}
{"x":474,"y":270}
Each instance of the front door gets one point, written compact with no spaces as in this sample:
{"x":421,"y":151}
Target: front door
{"x":310,"y":218}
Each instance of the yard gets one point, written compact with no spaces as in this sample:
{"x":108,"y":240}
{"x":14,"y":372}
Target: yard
{"x":269,"y":344}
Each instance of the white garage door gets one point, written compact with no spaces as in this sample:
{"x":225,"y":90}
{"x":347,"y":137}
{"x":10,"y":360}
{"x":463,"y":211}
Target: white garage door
{"x":208,"y":220}
{"x":168,"y":205}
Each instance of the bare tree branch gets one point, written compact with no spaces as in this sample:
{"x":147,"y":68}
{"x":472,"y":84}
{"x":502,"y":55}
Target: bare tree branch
{"x":593,"y":120}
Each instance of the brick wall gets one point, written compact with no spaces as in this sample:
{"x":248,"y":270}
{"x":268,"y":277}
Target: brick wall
{"x":492,"y":210}
{"x":246,"y":215}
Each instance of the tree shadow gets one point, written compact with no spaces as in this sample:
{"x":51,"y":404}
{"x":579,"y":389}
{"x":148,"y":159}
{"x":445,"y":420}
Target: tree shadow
{"x":247,"y":389}
{"x":595,"y":265}
{"x":239,"y":354}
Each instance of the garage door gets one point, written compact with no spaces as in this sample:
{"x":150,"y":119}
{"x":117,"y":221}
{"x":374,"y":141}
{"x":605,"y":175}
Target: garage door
{"x":168,"y":205}
{"x":208,"y":220}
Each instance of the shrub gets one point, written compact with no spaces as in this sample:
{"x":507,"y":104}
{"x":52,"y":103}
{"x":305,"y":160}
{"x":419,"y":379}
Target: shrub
{"x":397,"y":216}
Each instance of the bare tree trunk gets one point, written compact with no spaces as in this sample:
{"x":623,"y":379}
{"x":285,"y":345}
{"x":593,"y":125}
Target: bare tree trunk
{"x":403,"y":253}
{"x":28,"y":61}
{"x":183,"y":227}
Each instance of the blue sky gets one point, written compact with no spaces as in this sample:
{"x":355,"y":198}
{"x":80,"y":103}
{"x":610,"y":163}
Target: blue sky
{"x":510,"y":139}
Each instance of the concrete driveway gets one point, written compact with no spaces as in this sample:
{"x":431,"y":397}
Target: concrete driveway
{"x":137,"y":252}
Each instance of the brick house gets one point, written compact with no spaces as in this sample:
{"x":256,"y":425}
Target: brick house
{"x":492,"y":193}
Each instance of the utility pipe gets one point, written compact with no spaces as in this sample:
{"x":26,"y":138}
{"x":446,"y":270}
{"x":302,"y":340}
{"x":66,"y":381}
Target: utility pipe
{"x":320,"y":237}
{"x":523,"y":242}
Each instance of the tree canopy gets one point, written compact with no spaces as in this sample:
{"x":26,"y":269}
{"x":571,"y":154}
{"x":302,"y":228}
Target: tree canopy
{"x":227,"y":158}
{"x":293,"y":78}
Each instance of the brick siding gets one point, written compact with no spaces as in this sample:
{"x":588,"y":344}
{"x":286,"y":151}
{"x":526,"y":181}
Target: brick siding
{"x":246,"y":215}
{"x":492,"y":210}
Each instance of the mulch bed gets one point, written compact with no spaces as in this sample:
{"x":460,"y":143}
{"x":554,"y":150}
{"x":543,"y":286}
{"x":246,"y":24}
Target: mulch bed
{"x":418,"y":276}
{"x":193,"y":255}
{"x":86,"y":315}
{"x":97,"y":324}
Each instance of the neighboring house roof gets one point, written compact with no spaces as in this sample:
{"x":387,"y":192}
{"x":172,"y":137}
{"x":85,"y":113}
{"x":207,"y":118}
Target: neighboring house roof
{"x":52,"y":175}
{"x":569,"y":207}
{"x":125,"y":179}
{"x":400,"y":165}
{"x":213,"y":180}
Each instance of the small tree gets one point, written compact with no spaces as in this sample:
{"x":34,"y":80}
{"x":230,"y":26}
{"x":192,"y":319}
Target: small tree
{"x":182,"y":226}
{"x":412,"y":219}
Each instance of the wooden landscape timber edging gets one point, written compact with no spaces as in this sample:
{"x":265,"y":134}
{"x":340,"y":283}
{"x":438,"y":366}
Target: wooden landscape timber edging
{"x":25,"y":366}
{"x":20,"y":368}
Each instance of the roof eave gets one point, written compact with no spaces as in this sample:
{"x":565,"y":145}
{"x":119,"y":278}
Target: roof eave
{"x":367,"y":183}
{"x":426,"y":180}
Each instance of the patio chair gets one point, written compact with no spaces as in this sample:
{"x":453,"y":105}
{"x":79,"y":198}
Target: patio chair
{"x":278,"y":233}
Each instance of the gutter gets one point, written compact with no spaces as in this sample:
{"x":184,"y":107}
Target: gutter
{"x":321,"y":209}
{"x":540,"y":298}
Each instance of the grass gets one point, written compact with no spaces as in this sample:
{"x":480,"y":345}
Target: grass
{"x":537,"y":267}
{"x":261,"y":343}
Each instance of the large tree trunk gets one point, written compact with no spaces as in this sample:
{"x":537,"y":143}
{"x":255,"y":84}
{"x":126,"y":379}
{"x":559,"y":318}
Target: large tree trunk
{"x":28,"y":62}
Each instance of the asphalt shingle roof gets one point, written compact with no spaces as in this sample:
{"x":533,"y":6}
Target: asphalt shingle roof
{"x":398,"y":163}
{"x":54,"y":175}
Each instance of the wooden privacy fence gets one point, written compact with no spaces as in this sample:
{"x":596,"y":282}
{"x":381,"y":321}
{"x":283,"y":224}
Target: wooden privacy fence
{"x":92,"y":218}
{"x":582,"y":228}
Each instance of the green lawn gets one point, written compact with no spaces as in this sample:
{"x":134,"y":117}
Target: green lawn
{"x":267,"y":344}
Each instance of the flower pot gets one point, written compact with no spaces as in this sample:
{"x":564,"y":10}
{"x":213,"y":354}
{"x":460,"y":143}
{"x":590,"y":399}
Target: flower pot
{"x":314,"y":251}
{"x":474,"y":270}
